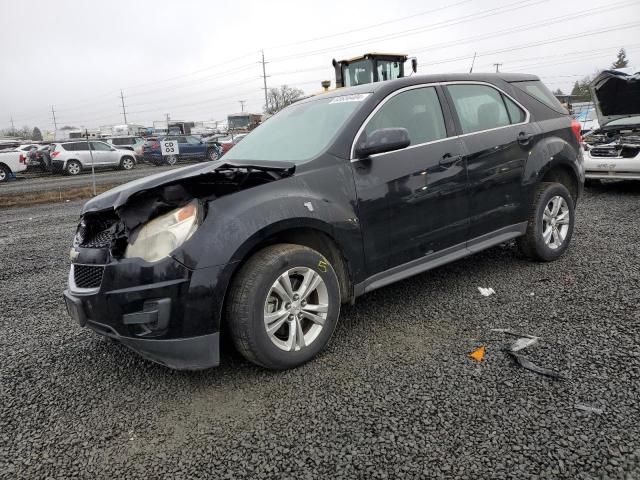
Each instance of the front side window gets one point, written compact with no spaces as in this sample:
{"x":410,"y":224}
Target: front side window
{"x":358,"y":73}
{"x":100,"y":147}
{"x":193,"y":140}
{"x":479,"y":107}
{"x":417,"y":110}
{"x":299,"y":132}
{"x":387,"y":70}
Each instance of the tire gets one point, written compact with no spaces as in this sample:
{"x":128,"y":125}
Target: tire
{"x":5,"y":173}
{"x":127,"y":163}
{"x":544,"y":241}
{"x":212,"y":154}
{"x":73,"y":167}
{"x":252,"y":296}
{"x":171,"y":159}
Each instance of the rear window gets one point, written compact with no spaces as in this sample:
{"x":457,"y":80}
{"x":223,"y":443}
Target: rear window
{"x":540,"y":92}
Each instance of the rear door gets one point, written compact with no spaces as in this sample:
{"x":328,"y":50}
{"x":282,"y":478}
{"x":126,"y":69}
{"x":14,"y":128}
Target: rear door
{"x":105,"y":154}
{"x":412,"y":202}
{"x":497,"y":137}
{"x":81,"y":152}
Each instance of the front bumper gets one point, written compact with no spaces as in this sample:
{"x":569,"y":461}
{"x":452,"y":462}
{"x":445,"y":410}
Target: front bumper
{"x":164,"y":311}
{"x":611,"y":167}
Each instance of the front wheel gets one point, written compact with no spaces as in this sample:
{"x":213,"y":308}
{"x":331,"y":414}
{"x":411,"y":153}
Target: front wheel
{"x":171,"y":159}
{"x":213,"y":154}
{"x":550,"y":225}
{"x":127,"y":163}
{"x":283,"y":306}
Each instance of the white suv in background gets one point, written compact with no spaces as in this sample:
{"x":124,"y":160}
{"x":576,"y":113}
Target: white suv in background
{"x":72,"y":157}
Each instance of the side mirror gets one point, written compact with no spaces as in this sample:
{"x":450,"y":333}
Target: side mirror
{"x":383,"y":140}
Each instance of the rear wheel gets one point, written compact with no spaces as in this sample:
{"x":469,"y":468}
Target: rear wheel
{"x":550,"y":225}
{"x":283,"y":306}
{"x":5,"y":173}
{"x":213,"y":154}
{"x":73,"y":167}
{"x":127,"y":163}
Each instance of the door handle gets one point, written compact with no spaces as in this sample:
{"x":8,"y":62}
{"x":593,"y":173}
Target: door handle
{"x":447,"y":160}
{"x":524,"y":138}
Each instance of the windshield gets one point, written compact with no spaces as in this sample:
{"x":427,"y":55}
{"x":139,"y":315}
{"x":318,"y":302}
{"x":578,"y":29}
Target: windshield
{"x":585,"y":115}
{"x":299,"y":132}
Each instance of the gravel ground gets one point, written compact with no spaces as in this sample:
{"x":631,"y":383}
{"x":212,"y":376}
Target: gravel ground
{"x":394,"y":396}
{"x":38,"y":181}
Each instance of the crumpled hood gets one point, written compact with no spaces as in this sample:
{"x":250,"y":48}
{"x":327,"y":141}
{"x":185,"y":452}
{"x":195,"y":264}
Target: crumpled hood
{"x":118,"y":196}
{"x":616,"y":95}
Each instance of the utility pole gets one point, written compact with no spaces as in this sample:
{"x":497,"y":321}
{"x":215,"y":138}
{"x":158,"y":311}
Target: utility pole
{"x":55,"y":124}
{"x":497,"y":66}
{"x":167,"y":122}
{"x":264,"y":79}
{"x":473,"y":62}
{"x":242,"y":102}
{"x":13,"y":127}
{"x":124,"y":110}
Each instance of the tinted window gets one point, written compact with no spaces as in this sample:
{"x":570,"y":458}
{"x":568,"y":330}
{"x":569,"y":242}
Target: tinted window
{"x":181,"y":140}
{"x":193,"y":140}
{"x":418,"y":110}
{"x":479,"y":107}
{"x":121,"y":141}
{"x":99,"y":146}
{"x":77,"y":146}
{"x":540,"y":92}
{"x":516,"y":114}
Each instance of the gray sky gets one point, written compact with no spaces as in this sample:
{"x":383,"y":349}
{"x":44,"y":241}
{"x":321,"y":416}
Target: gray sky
{"x":196,"y":59}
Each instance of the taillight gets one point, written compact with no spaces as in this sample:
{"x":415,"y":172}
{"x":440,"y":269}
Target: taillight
{"x":155,"y":145}
{"x":54,"y":154}
{"x":576,"y":126}
{"x":22,"y":159}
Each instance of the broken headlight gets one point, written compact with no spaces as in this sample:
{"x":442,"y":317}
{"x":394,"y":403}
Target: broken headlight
{"x":159,"y":237}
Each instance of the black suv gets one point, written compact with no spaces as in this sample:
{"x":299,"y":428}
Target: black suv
{"x":335,"y":196}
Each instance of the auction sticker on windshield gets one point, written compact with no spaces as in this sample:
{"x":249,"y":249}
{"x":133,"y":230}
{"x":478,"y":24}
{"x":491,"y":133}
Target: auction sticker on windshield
{"x":169,"y":147}
{"x":356,"y":97}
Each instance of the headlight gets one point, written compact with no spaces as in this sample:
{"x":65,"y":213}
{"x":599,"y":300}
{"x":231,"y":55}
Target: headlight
{"x":159,"y":237}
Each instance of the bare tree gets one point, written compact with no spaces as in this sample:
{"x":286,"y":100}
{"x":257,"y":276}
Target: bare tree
{"x":279,"y":98}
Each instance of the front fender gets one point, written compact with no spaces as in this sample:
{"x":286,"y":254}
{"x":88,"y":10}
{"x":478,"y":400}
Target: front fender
{"x":237,"y":223}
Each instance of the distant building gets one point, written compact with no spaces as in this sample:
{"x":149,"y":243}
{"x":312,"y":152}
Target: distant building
{"x":243,"y":122}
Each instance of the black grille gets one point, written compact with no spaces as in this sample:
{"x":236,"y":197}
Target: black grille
{"x":100,"y":240}
{"x":604,"y":152}
{"x":95,"y":232}
{"x":87,"y":276}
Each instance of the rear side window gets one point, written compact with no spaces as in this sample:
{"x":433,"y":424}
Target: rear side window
{"x":76,"y":146}
{"x":418,"y":110}
{"x":479,"y":107}
{"x":540,"y":92}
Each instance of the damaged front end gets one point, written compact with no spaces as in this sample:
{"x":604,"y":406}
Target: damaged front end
{"x":613,"y":150}
{"x":125,"y":281}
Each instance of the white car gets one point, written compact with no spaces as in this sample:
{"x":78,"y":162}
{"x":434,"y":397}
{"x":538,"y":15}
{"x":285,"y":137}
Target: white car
{"x":11,"y":162}
{"x":613,"y":150}
{"x":72,"y":157}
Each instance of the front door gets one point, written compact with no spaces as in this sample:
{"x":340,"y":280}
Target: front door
{"x":411,"y":202}
{"x":498,"y":139}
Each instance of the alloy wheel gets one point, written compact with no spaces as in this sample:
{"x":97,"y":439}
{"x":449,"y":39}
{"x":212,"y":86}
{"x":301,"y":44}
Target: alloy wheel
{"x":171,"y":159}
{"x":73,"y":168}
{"x":127,"y":164}
{"x":555,"y":222}
{"x":296,"y":308}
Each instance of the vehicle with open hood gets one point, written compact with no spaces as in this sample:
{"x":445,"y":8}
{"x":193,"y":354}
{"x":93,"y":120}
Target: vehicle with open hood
{"x":613,"y":150}
{"x":335,"y":196}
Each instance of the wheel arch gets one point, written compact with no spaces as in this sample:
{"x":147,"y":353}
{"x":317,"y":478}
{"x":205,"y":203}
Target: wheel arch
{"x":309,"y":233}
{"x":564,"y":174}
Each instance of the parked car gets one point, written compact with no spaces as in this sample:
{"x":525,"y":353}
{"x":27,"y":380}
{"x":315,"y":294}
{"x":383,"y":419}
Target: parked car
{"x":133,"y":143}
{"x":189,"y":148}
{"x":11,"y":162}
{"x":72,"y":157}
{"x":613,"y":150}
{"x":335,"y":196}
{"x":227,"y":143}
